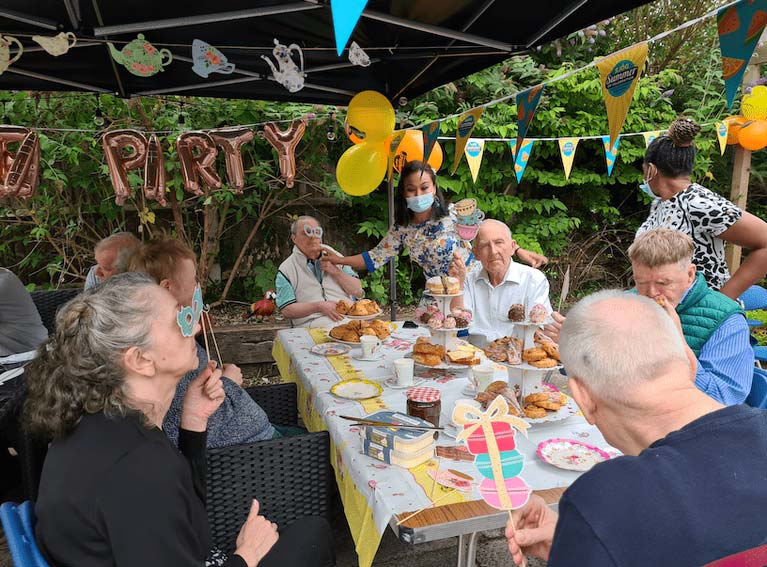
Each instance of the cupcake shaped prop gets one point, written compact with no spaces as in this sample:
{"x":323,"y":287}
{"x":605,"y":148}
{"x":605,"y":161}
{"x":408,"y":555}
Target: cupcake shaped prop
{"x":468,"y":218}
{"x":489,"y":437}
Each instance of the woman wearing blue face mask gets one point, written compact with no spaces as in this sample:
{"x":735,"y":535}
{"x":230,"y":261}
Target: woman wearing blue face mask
{"x":710,"y":219}
{"x":425,"y":226}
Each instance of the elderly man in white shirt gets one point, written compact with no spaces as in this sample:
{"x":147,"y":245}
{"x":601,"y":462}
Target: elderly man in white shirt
{"x":491,"y":291}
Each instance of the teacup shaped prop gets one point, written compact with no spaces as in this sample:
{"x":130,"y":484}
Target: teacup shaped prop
{"x":58,"y":44}
{"x":6,"y":41}
{"x":465,"y":207}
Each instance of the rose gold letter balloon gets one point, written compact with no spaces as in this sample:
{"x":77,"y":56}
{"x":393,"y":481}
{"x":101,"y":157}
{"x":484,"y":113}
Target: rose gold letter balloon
{"x":285,"y":143}
{"x":115,"y":144}
{"x":231,"y":140}
{"x":9,"y":135}
{"x":197,"y":154}
{"x":26,"y":164}
{"x":154,"y":171}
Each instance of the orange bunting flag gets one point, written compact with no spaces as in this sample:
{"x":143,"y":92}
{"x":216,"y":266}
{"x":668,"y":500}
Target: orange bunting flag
{"x":466,"y":124}
{"x":620,"y":74}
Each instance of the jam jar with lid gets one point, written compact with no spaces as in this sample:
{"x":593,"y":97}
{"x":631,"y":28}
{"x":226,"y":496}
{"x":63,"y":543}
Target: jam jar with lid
{"x":425,"y":403}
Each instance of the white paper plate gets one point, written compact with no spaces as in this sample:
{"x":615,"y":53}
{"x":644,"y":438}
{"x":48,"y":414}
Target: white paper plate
{"x":330,"y":349}
{"x":364,"y":317}
{"x":374,"y":358}
{"x":356,"y":389}
{"x":391,"y":382}
{"x":570,"y":454}
{"x":570,"y":408}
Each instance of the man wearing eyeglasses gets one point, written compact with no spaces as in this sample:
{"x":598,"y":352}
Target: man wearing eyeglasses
{"x":308,"y":286}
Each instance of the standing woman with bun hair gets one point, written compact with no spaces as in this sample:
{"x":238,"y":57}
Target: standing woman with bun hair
{"x":425,"y":226}
{"x":710,"y":219}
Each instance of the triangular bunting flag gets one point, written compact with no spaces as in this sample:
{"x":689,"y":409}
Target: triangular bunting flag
{"x":521,"y":158}
{"x":474,"y":150}
{"x":527,"y":102}
{"x":740,"y":27}
{"x":430,"y":135}
{"x":466,"y":124}
{"x":620,"y":74}
{"x":650,"y":136}
{"x":396,"y":139}
{"x":722,"y":130}
{"x":610,"y":155}
{"x":346,"y":14}
{"x":567,"y":147}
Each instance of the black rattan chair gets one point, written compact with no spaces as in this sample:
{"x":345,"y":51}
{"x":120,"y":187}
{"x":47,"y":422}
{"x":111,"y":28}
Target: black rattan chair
{"x":48,"y":303}
{"x":290,"y":476}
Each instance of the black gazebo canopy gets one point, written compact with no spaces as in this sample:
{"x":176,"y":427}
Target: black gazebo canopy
{"x":414,"y":45}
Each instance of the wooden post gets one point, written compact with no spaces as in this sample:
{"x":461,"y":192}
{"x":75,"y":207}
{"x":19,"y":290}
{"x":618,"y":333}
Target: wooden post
{"x":741,"y":168}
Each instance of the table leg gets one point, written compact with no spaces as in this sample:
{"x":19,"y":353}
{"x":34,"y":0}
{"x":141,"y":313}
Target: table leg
{"x":461,"y":549}
{"x":467,"y":549}
{"x":471,"y":551}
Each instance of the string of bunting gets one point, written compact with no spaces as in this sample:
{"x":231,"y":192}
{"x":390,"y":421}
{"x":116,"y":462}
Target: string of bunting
{"x":474,"y":148}
{"x":740,"y":24}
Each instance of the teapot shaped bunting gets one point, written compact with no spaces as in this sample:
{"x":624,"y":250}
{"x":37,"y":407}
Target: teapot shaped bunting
{"x":141,"y":57}
{"x":289,"y":75}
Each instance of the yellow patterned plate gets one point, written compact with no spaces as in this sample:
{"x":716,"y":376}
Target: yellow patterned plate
{"x":356,"y":389}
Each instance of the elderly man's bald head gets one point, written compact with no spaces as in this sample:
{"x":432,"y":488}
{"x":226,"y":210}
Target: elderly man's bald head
{"x":614,"y":342}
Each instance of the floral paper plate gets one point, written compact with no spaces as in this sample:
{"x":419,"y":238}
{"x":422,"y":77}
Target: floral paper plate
{"x":570,"y":454}
{"x":356,"y":389}
{"x":330,"y":349}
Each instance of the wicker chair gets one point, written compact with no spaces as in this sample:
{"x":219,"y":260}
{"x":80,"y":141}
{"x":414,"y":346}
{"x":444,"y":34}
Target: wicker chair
{"x":290,"y":476}
{"x":48,"y":303}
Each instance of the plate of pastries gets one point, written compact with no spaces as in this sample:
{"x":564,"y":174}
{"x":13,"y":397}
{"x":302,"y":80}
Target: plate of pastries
{"x":350,"y":333}
{"x":425,"y":353}
{"x":539,"y":407}
{"x":510,"y":351}
{"x":362,"y":310}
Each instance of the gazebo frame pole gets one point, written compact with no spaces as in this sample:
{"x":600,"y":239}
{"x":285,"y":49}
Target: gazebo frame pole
{"x":393,"y":260}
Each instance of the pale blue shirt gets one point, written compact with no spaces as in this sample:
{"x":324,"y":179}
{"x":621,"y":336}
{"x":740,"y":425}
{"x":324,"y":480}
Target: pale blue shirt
{"x":726,"y":362}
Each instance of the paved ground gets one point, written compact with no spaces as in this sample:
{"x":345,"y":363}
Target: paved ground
{"x":491,"y":551}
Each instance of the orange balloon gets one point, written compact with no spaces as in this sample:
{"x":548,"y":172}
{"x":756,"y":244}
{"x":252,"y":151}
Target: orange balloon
{"x":411,"y":149}
{"x":753,"y":135}
{"x":734,"y":124}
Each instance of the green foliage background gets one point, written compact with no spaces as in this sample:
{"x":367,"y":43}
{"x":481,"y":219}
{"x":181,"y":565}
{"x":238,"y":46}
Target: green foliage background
{"x":585,"y":222}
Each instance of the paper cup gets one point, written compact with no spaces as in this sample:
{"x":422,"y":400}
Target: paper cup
{"x":370,"y":345}
{"x":403,"y":370}
{"x":481,"y":377}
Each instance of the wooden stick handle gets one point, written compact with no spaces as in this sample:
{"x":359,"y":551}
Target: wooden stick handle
{"x":445,"y":495}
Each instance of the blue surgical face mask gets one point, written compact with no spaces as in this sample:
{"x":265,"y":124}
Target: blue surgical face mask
{"x":645,"y":187}
{"x":420,"y":203}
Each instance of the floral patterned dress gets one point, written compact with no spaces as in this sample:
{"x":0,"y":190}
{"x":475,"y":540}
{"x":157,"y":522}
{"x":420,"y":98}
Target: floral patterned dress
{"x":430,"y":244}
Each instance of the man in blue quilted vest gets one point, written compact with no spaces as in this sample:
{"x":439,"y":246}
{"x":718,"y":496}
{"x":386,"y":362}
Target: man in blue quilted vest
{"x":714,"y":325}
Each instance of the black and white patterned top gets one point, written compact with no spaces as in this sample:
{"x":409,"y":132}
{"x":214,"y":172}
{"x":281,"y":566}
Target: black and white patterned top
{"x":703,"y":215}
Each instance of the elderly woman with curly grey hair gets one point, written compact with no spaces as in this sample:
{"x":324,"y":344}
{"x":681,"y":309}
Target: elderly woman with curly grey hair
{"x":114,"y":490}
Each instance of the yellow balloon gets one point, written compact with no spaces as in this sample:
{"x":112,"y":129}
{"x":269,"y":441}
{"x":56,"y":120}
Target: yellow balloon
{"x":370,"y":117}
{"x":362,"y":168}
{"x":754,"y":106}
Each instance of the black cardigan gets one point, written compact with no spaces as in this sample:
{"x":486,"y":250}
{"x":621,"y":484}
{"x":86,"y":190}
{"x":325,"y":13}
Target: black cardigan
{"x":115,"y":492}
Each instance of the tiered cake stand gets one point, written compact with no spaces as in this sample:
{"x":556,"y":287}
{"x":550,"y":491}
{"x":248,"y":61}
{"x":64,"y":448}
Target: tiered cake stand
{"x":528,"y":378}
{"x":448,"y":338}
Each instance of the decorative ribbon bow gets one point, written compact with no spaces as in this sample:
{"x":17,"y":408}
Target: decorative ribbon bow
{"x":476,"y":418}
